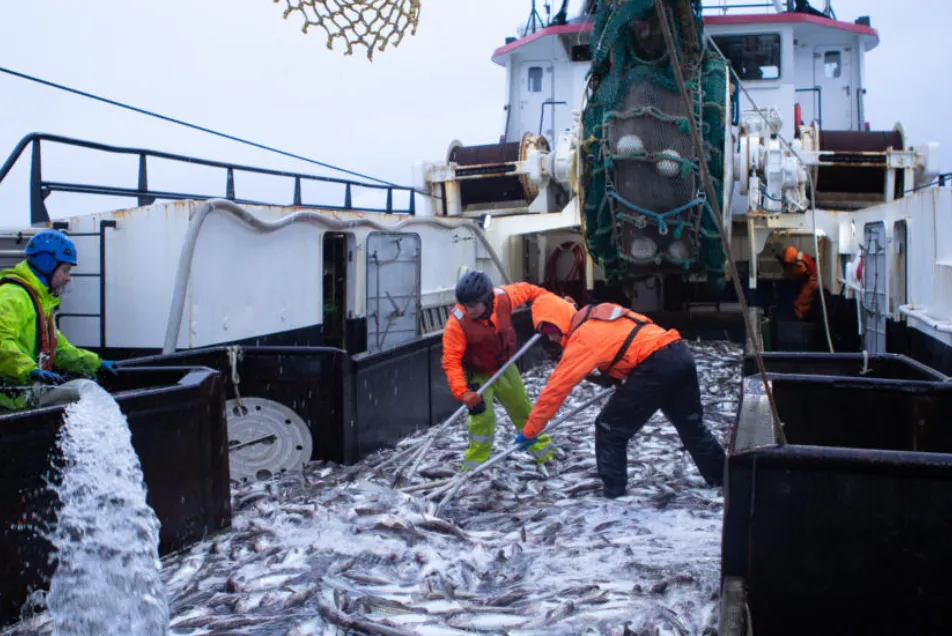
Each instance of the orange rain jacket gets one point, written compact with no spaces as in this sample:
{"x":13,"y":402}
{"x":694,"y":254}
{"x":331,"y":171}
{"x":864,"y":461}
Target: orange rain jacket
{"x":483,"y":345}
{"x":594,"y":344}
{"x":800,"y":265}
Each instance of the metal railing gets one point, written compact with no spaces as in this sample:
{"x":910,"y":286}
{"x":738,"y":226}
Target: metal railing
{"x":40,"y":189}
{"x":724,"y":8}
{"x":818,"y":110}
{"x":553,"y":103}
{"x":101,"y":275}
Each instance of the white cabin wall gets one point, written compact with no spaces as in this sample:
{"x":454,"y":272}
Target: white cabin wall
{"x":526,"y":105}
{"x":861,"y":76}
{"x":507,"y":235}
{"x":859,"y":84}
{"x":928,"y":217}
{"x":803,"y":80}
{"x":504,"y":130}
{"x":558,"y":115}
{"x":82,"y":294}
{"x":812,"y":41}
{"x":778,"y":92}
{"x":445,"y":253}
{"x":937,"y":203}
{"x":243,"y":283}
{"x":246,"y":283}
{"x":512,"y":99}
{"x":141,"y":259}
{"x":549,"y":53}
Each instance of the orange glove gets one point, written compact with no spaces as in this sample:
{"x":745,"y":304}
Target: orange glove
{"x":471,"y":399}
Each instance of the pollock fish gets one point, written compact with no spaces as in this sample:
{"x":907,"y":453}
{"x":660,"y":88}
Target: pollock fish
{"x":337,"y":549}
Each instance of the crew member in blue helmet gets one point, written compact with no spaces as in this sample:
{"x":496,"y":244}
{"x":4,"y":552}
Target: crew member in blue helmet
{"x":31,"y":347}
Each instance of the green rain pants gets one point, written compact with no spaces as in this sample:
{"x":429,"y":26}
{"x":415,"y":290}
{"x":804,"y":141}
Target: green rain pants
{"x":511,"y":393}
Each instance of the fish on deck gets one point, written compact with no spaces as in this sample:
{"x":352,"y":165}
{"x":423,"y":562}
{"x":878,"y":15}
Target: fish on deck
{"x":337,"y":547}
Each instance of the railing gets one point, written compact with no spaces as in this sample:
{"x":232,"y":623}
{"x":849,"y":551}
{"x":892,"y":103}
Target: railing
{"x":41,"y":189}
{"x":818,"y":111}
{"x":553,"y":104}
{"x":101,"y":275}
{"x":723,"y":7}
{"x":943,"y":180}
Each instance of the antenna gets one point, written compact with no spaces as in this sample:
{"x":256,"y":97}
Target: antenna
{"x":535,"y":20}
{"x":562,"y":15}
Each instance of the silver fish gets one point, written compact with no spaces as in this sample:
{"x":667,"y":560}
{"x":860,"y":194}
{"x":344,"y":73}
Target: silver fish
{"x":337,"y":549}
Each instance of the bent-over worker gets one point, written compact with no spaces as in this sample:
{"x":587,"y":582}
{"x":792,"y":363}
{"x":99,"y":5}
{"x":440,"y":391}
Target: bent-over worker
{"x":653,"y":369}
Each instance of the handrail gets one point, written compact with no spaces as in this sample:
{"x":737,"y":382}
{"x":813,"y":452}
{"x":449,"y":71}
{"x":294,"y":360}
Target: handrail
{"x":553,"y":103}
{"x":40,"y":189}
{"x":725,"y":8}
{"x":818,"y":115}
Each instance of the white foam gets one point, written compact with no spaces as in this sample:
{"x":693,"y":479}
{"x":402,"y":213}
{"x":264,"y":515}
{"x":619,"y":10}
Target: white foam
{"x":106,"y":539}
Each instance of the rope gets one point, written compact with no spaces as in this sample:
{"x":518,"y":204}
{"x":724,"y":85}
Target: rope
{"x":553,"y":283}
{"x":714,"y":206}
{"x":235,"y":354}
{"x":172,"y":120}
{"x":776,"y":133}
{"x":659,"y":217}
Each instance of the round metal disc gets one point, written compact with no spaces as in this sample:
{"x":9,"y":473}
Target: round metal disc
{"x":265,"y":439}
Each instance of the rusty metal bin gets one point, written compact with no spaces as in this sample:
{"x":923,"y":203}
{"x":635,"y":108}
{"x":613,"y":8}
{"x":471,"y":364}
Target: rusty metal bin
{"x":844,"y":529}
{"x":177,"y":420}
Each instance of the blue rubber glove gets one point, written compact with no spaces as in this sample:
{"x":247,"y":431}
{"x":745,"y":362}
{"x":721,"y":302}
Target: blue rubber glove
{"x":109,"y":366}
{"x":523,"y":441}
{"x":46,"y":377}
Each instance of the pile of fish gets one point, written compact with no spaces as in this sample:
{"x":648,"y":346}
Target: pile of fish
{"x":519,"y":550}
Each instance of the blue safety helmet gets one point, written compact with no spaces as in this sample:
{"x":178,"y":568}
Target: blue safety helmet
{"x":46,"y":250}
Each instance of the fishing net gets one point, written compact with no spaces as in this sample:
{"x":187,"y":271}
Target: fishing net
{"x":372,"y":24}
{"x":645,"y":207}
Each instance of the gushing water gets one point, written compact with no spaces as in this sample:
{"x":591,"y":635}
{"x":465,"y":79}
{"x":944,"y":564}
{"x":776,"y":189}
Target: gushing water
{"x":106,"y":540}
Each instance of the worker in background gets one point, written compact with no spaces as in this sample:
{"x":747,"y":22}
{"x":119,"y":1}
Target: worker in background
{"x":652,"y":368}
{"x":31,"y":346}
{"x":800,"y":266}
{"x":477,"y":340}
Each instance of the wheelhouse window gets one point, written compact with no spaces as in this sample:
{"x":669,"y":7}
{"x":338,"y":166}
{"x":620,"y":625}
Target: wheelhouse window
{"x":535,"y":79}
{"x":753,"y":57}
{"x":832,"y":64}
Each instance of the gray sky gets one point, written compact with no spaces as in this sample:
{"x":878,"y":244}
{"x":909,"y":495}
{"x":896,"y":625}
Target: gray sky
{"x":238,"y":67}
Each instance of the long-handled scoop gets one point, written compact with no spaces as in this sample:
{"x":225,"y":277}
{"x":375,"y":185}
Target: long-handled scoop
{"x":452,"y":488}
{"x":414,"y":462}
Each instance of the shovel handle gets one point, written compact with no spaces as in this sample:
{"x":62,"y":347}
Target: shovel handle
{"x":423,"y":450}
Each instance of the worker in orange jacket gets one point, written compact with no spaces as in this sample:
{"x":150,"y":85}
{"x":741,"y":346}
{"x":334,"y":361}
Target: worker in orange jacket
{"x":477,"y":340}
{"x":800,"y":266}
{"x":653,"y":369}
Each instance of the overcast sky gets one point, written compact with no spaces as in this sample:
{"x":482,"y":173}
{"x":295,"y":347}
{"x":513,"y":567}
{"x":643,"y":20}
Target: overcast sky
{"x":238,"y":67}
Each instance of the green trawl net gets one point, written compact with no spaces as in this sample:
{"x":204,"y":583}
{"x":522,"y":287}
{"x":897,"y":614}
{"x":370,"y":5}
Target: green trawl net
{"x":644,"y":203}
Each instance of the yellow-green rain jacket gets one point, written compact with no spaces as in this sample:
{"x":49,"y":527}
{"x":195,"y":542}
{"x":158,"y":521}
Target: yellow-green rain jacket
{"x":18,"y":323}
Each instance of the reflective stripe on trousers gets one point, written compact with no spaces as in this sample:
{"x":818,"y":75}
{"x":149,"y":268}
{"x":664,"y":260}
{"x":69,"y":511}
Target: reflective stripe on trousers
{"x":511,"y":393}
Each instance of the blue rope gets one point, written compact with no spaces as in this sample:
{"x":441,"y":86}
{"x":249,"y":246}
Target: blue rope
{"x":659,"y":218}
